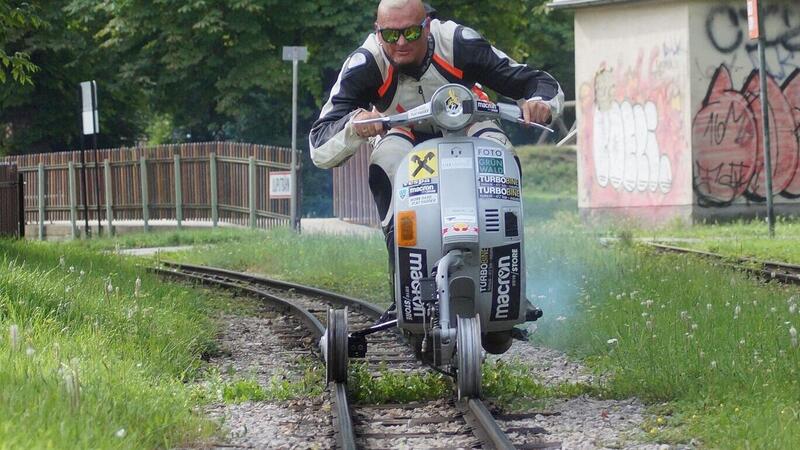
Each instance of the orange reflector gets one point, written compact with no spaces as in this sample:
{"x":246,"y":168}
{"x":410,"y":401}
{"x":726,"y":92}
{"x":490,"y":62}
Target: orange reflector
{"x":407,"y":228}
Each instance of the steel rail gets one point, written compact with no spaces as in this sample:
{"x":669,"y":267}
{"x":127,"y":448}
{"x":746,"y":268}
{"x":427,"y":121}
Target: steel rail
{"x":344,"y":422}
{"x":783,"y":272}
{"x":475,"y":412}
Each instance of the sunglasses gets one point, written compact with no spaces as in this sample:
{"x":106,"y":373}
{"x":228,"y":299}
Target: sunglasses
{"x":412,"y":33}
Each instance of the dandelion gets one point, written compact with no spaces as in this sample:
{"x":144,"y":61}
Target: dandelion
{"x":713,"y":364}
{"x":30,"y":351}
{"x":82,"y":273}
{"x":137,"y":287}
{"x":612,"y":341}
{"x":71,"y":269}
{"x":708,"y":306}
{"x":793,"y":335}
{"x":702,"y":354}
{"x":694,"y":327}
{"x":120,"y":433}
{"x":737,"y":311}
{"x":648,"y":303}
{"x":649,"y":324}
{"x":773,"y":310}
{"x":110,"y":288}
{"x":741,"y":341}
{"x":755,"y":302}
{"x":644,"y":314}
{"x":62,"y":262}
{"x":13,"y":335}
{"x":684,"y":316}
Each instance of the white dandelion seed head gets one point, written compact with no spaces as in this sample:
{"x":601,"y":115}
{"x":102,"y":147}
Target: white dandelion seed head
{"x":694,"y":326}
{"x":612,"y":341}
{"x":644,"y":314}
{"x":649,"y":324}
{"x":793,"y":332}
{"x":792,"y":308}
{"x":741,"y":341}
{"x":684,"y":315}
{"x":13,"y":336}
{"x":71,"y":269}
{"x":713,"y":364}
{"x":30,"y":351}
{"x":708,"y":306}
{"x":120,"y":433}
{"x":62,"y":262}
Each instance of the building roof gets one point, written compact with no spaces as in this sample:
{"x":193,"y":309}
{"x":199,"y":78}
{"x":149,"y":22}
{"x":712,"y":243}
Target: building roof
{"x":573,"y":4}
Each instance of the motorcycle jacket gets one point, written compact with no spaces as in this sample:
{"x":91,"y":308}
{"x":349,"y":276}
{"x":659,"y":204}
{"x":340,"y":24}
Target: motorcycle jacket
{"x":456,"y":54}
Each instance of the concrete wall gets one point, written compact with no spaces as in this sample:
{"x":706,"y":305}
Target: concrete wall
{"x":633,"y":109}
{"x":728,"y":152}
{"x":669,"y":109}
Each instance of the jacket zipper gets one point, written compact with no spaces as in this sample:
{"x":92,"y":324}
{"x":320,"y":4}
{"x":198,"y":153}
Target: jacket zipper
{"x":423,"y":95}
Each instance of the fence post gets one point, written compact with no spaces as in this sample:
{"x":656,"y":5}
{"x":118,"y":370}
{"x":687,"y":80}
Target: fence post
{"x":22,"y":220}
{"x":41,"y":201}
{"x":178,"y":192}
{"x":145,"y":194}
{"x":73,"y":205}
{"x":109,"y":194}
{"x":252,"y":191}
{"x":212,"y":158}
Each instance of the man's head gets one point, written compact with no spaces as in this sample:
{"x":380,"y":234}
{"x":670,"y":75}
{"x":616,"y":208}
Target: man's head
{"x":400,"y":15}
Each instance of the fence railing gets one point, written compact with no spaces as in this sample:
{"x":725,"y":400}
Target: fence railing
{"x":352,"y":199}
{"x":211,"y":181}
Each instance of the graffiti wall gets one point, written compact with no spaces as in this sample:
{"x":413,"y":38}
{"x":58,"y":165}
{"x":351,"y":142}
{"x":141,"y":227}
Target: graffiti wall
{"x":633,"y":106}
{"x":727,"y":142}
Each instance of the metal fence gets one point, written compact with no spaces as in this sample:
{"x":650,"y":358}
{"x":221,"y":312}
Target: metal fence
{"x":210,"y":181}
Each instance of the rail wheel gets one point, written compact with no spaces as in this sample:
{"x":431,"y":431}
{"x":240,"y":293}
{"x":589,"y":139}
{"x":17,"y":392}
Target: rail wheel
{"x":336,"y":346}
{"x":468,"y":343}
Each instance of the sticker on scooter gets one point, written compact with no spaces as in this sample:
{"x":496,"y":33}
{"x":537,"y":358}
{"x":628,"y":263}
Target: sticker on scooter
{"x":491,"y":165}
{"x":499,"y":192}
{"x":422,"y":200}
{"x":486,"y":275}
{"x":413,"y":265}
{"x":456,"y":163}
{"x":423,"y":164}
{"x":505,"y":262}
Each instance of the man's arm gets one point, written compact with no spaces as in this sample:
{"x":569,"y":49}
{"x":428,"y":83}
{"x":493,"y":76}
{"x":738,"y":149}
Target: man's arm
{"x":333,"y":138}
{"x":493,"y":68}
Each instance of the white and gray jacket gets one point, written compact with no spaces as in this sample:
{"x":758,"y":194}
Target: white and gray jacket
{"x":456,"y":54}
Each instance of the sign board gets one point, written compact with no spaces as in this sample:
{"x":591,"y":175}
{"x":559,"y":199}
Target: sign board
{"x":752,"y":19}
{"x":295,"y":53}
{"x":91,"y":124}
{"x":280,"y":185}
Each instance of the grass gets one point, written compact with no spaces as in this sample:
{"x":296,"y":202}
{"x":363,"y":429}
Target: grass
{"x":167,"y":239}
{"x":549,"y":182}
{"x":355,"y":266}
{"x":718,"y":347}
{"x":88,"y":360}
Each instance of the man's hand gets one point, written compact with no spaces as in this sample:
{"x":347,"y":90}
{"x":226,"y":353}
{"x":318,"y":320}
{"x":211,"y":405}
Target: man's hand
{"x":536,"y":111}
{"x":368,"y":130}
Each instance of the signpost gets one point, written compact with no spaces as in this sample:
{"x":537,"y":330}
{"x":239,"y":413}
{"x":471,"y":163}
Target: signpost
{"x":755,"y":25}
{"x":91,"y":126}
{"x":295,"y":55}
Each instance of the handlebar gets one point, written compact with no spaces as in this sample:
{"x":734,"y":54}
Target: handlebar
{"x":453,"y":107}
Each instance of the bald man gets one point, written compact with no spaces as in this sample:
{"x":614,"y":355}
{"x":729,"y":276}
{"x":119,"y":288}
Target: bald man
{"x":399,"y":66}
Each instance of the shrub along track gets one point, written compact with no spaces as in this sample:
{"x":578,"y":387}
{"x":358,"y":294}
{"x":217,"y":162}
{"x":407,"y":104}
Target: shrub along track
{"x":435,"y":424}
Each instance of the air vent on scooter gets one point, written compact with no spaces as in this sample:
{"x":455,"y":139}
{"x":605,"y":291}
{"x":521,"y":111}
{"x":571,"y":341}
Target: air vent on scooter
{"x":492,"y":217}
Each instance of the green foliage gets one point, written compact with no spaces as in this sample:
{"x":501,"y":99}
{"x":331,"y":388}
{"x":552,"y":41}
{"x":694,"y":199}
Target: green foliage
{"x":16,"y":18}
{"x":89,"y":362}
{"x":395,"y":387}
{"x":512,"y":385}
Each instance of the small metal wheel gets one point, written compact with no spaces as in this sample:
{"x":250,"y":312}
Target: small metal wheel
{"x":469,"y":357}
{"x":336,"y":346}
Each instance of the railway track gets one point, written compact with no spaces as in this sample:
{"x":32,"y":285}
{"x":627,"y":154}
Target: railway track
{"x":768,"y":270}
{"x":467,"y":424}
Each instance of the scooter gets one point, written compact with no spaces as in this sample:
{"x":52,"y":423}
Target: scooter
{"x":459,"y":283}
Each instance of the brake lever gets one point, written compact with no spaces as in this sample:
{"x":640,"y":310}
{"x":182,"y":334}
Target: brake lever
{"x":536,"y":125}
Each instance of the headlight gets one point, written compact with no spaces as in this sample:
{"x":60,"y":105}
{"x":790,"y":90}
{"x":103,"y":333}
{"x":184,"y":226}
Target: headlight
{"x":452,"y":107}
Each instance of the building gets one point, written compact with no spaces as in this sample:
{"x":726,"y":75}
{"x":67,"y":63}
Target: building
{"x":669,"y":108}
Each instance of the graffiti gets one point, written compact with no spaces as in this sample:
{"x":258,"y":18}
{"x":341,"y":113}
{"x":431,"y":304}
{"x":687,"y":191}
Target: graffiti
{"x":726,"y":28}
{"x":633,"y":122}
{"x":728,"y":142}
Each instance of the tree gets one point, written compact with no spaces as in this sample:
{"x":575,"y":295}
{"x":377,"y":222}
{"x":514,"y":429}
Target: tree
{"x":15,"y":19}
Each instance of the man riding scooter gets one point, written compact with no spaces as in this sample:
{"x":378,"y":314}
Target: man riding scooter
{"x":399,"y":67}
